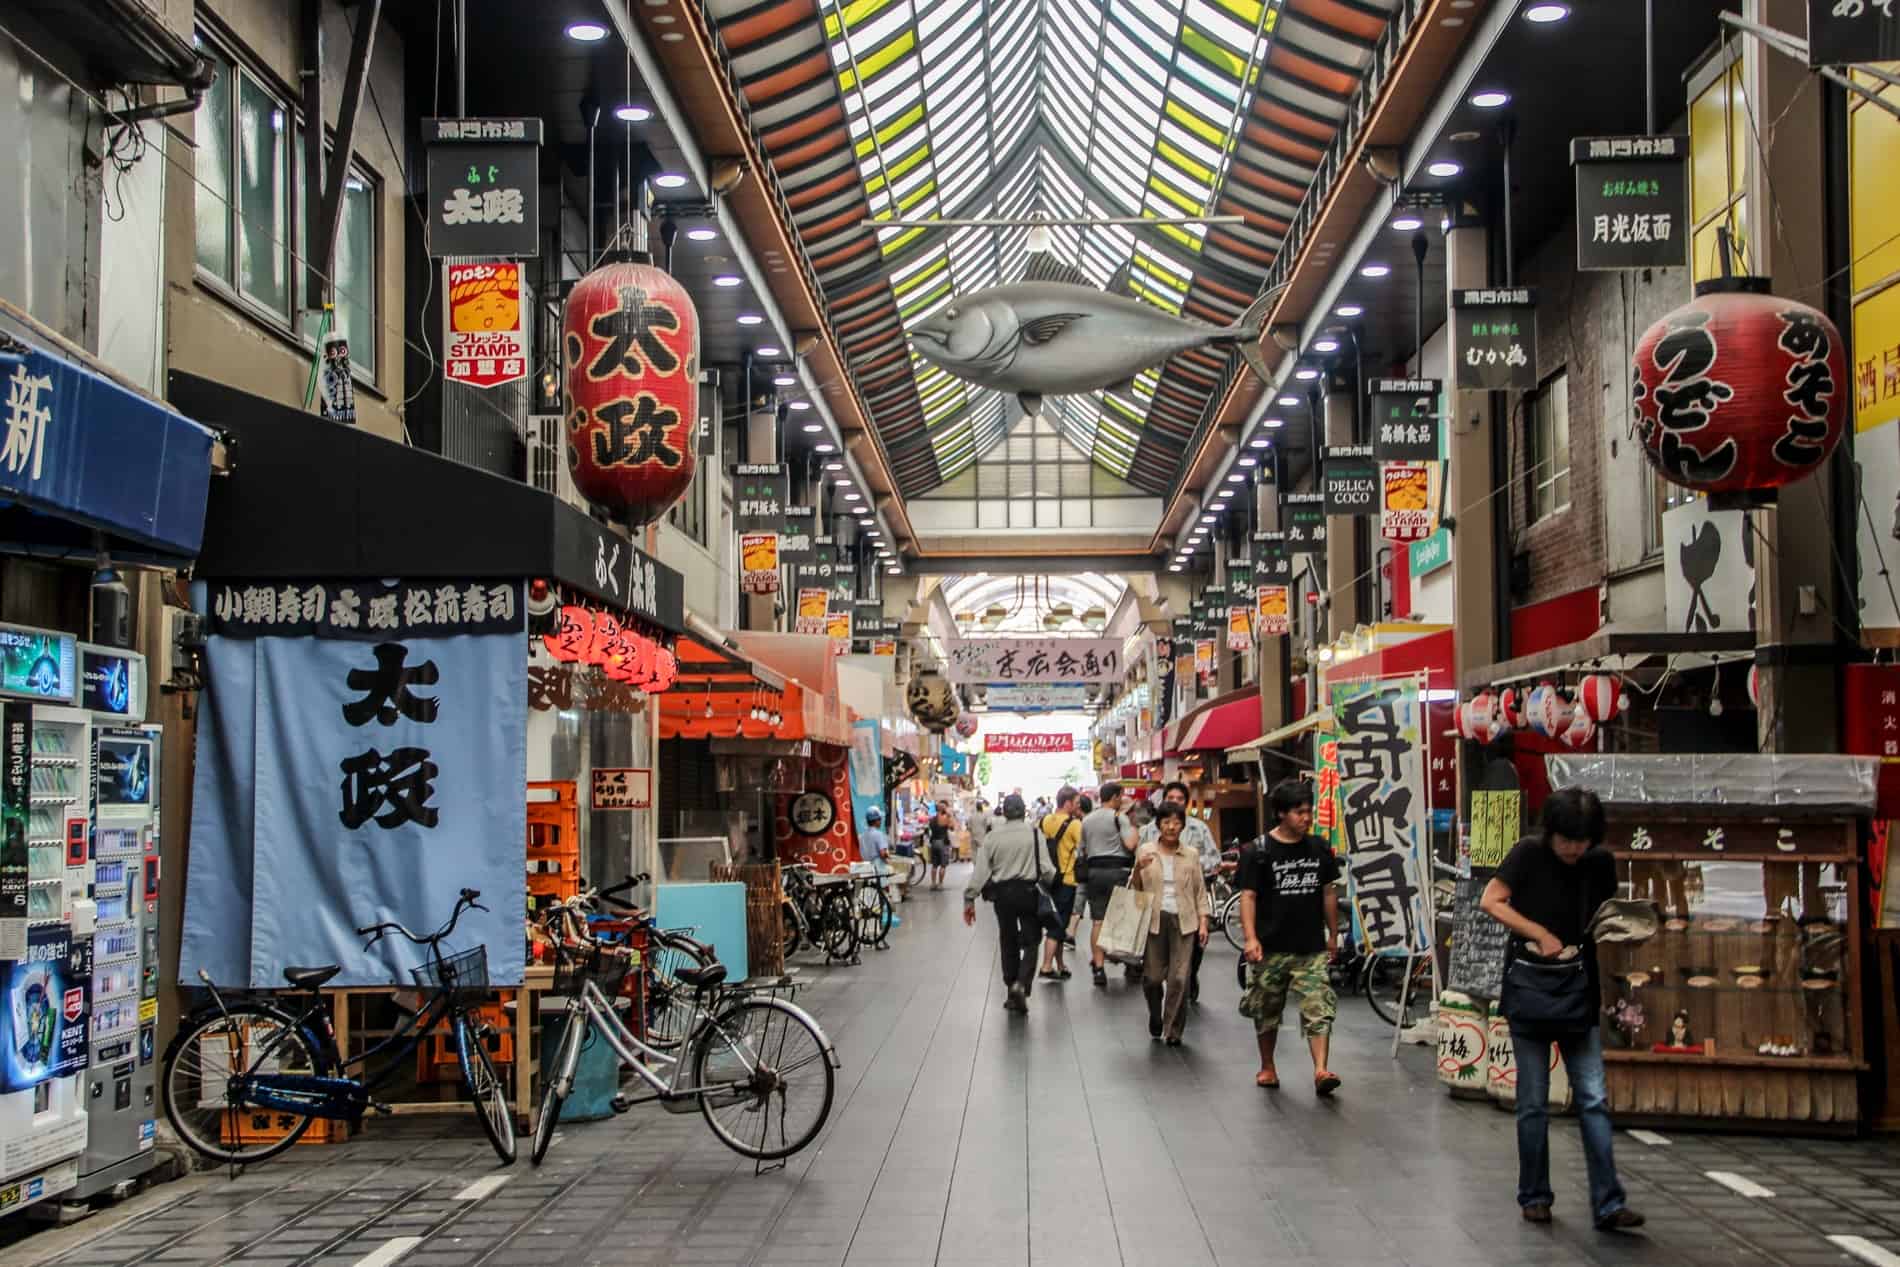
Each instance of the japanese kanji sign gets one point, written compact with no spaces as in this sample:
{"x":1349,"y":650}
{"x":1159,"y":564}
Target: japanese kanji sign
{"x":759,"y":492}
{"x":1240,"y":627}
{"x":1036,"y":660}
{"x":758,"y":562}
{"x":1240,"y":579}
{"x":1632,"y":201}
{"x":1034,"y":698}
{"x":364,"y":610}
{"x":1405,"y":419}
{"x":343,"y":782}
{"x":484,"y":186}
{"x":1349,"y":478}
{"x":1025,"y":742}
{"x":795,"y":539}
{"x":1304,"y":515}
{"x":813,"y":606}
{"x":16,"y":771}
{"x":1272,"y":563}
{"x":1496,"y":824}
{"x":485,"y":340}
{"x":1494,"y":338}
{"x":1845,"y":32}
{"x":1408,"y":504}
{"x":1383,"y":810}
{"x":1273,"y":616}
{"x":1870,"y":710}
{"x":1204,"y":658}
{"x":826,"y":570}
{"x":623,"y":789}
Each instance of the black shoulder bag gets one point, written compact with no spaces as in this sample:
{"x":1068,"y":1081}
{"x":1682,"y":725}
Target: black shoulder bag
{"x":1548,"y":998}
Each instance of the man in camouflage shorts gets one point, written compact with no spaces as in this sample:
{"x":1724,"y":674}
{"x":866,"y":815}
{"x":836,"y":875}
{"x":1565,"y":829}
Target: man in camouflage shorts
{"x":1290,"y":913}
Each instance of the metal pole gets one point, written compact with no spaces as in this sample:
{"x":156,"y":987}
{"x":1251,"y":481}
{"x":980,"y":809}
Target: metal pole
{"x":1419,"y":247}
{"x":1649,"y":66}
{"x":1507,"y":133}
{"x":461,"y":58}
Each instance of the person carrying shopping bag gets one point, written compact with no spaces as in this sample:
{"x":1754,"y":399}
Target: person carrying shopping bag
{"x":1177,"y":922}
{"x":1009,"y":872}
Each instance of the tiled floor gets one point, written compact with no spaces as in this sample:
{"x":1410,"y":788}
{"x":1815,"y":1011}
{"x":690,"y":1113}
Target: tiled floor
{"x":961,"y":1134}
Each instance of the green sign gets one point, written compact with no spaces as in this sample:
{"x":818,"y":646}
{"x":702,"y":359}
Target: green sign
{"x":1429,"y":555}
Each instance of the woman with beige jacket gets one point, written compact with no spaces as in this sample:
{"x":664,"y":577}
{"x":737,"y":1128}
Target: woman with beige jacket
{"x":1178,"y":915}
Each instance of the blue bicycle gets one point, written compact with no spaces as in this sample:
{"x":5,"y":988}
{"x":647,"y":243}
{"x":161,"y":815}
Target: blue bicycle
{"x":243,"y":1080}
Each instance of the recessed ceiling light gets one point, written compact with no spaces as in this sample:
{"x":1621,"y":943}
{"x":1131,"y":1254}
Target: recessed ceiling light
{"x":1269,"y":422}
{"x":726,"y":279}
{"x":770,"y":351}
{"x":632,"y":114}
{"x":875,"y":532}
{"x":784,"y":380}
{"x":1375,"y":270}
{"x":842,"y":481}
{"x":834,"y":466}
{"x":1326,"y":345}
{"x":895,"y":570}
{"x":813,"y":428}
{"x":1236,"y":478}
{"x":826,"y":447}
{"x":1289,"y":400}
{"x":1306,"y":373}
{"x":854,"y":497}
{"x":669,"y":180}
{"x":1444,"y":167}
{"x":672,"y":37}
{"x":586,"y":32}
{"x":1244,"y":460}
{"x":865,"y":523}
{"x":1547,"y":13}
{"x":702,"y":234}
{"x":1259,"y":442}
{"x":1207,"y":519}
{"x":1225,"y":493}
{"x":801,"y":404}
{"x":1174,"y":567}
{"x":1405,"y":224}
{"x":751,"y":319}
{"x":1490,"y":100}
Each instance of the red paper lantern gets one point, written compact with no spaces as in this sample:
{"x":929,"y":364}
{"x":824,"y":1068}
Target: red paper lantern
{"x":1739,"y":392}
{"x":572,"y":636}
{"x":1601,"y":696}
{"x":630,"y":340}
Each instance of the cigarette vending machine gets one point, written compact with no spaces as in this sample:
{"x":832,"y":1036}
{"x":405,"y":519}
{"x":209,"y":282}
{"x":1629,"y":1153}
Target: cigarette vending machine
{"x":121,"y":1084}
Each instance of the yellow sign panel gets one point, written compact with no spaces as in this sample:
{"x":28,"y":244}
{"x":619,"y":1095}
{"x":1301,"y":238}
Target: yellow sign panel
{"x":1495,"y":823}
{"x":148,"y":1010}
{"x":1877,"y":360}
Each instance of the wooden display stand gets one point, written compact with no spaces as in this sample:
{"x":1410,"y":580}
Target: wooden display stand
{"x":764,"y":927}
{"x":1759,"y":957}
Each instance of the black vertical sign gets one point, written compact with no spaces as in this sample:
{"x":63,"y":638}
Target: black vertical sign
{"x":1632,"y":201}
{"x":1404,"y":419}
{"x":759,"y":493}
{"x":1494,"y":339}
{"x":1304,"y":515}
{"x":1349,"y":476}
{"x":1846,"y":32}
{"x":1272,"y":565}
{"x":16,"y":804}
{"x":799,"y":532}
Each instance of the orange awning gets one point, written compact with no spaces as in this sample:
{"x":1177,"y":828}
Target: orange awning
{"x":718,"y":691}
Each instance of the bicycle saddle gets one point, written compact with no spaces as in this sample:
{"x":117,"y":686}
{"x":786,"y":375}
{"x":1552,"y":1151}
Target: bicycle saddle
{"x":702,"y":978}
{"x":311,"y":978}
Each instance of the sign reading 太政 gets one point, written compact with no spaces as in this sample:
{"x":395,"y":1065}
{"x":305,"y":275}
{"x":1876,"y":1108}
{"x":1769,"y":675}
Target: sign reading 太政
{"x":484,"y":186}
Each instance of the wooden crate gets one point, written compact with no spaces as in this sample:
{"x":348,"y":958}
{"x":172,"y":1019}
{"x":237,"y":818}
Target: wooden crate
{"x":764,"y":929}
{"x":261,"y":1126}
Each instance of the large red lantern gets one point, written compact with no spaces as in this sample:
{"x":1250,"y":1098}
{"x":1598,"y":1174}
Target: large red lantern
{"x":1739,"y":392}
{"x":630,"y":340}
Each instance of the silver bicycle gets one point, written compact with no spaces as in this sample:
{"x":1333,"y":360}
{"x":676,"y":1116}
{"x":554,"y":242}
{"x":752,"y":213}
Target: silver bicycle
{"x":759,"y":1067}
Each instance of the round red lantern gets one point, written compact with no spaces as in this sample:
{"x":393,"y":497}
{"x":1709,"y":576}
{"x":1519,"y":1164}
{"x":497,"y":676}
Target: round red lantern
{"x":1739,"y":392}
{"x":1601,"y":696}
{"x":630,"y":341}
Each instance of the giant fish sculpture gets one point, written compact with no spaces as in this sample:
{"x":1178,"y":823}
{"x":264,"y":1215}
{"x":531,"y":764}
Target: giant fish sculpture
{"x":1039,"y":338}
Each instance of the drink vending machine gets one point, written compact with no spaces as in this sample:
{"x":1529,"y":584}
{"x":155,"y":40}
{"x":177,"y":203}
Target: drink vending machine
{"x":79,"y":821}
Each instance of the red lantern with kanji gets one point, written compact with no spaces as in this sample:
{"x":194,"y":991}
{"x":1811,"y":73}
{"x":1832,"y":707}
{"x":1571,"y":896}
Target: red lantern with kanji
{"x":630,"y":341}
{"x":1739,"y":392}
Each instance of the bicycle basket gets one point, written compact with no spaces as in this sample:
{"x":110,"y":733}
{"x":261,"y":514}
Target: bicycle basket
{"x":463,"y":976}
{"x":606,"y":966}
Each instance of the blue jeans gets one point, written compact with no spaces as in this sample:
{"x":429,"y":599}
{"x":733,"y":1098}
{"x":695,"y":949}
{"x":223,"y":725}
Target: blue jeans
{"x":1583,"y":1059}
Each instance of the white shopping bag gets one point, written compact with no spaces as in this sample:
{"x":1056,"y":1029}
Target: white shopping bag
{"x":1125,"y":926}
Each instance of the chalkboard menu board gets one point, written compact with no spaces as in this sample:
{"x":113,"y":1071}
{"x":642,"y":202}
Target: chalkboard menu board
{"x":1477,"y":944}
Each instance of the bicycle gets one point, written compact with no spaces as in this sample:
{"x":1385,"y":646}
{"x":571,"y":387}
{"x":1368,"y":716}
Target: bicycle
{"x":740,"y":1069}
{"x":252,"y":1056}
{"x":821,"y":910}
{"x":874,"y":914}
{"x":1383,"y":982}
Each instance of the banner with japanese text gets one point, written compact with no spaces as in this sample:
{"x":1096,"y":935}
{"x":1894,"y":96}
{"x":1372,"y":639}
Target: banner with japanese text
{"x":814,"y":605}
{"x":1239,"y":628}
{"x":1036,"y":660}
{"x":866,"y":759}
{"x":838,"y":629}
{"x":1204,"y":657}
{"x":1273,"y":614}
{"x":1383,"y":811}
{"x":758,"y":562}
{"x":341,"y":782}
{"x":1408,"y":503}
{"x":1022,"y":741}
{"x":486,"y":343}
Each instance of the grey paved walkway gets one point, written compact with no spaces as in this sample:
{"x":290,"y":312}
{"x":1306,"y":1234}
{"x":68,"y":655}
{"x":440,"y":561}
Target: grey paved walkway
{"x":963,"y":1135}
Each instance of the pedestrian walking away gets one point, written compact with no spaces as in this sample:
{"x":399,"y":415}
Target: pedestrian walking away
{"x":1196,"y":835}
{"x":1545,"y":893}
{"x":1062,"y":837}
{"x":1290,"y":911}
{"x":1007,"y":873}
{"x":941,"y":824}
{"x":1177,"y":921}
{"x":1108,"y":851}
{"x":979,"y":824}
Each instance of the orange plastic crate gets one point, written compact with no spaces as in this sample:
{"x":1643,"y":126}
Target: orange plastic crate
{"x":435,"y":1056}
{"x":261,"y":1126}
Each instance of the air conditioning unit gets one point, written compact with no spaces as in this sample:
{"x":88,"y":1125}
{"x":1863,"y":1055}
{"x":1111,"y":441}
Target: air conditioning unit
{"x":546,"y":450}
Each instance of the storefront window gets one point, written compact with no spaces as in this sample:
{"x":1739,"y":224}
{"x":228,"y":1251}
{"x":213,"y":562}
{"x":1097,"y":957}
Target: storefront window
{"x":1719,"y":127}
{"x":1549,"y":472}
{"x":355,"y":280}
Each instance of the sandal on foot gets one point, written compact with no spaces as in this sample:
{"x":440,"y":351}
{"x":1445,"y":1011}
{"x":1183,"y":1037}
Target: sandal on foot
{"x":1268,"y":1080}
{"x":1325,"y":1084}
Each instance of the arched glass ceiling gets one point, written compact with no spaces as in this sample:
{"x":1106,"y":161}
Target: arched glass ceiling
{"x":1026,"y":600}
{"x":997,"y":108}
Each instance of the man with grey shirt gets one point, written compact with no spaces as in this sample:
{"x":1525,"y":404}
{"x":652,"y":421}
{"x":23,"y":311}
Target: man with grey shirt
{"x":1010,"y":865}
{"x":1108,"y":849}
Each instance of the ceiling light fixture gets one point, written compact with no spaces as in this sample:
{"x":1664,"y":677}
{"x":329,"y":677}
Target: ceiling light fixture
{"x":1236,"y":478}
{"x":784,"y":380}
{"x":1247,"y":460}
{"x":1289,"y":400}
{"x":701,"y":234}
{"x":813,"y":428}
{"x":1306,"y":373}
{"x":826,"y":447}
{"x":1375,"y":270}
{"x":751,"y":319}
{"x":1536,"y":13}
{"x":854,"y":497}
{"x":586,"y":32}
{"x":1224,"y":494}
{"x":727,"y":280}
{"x":1326,"y":345}
{"x":1261,"y":443}
{"x":1348,"y":310}
{"x":1406,"y":223}
{"x":1207,"y":519}
{"x":1444,"y":167}
{"x":632,"y":114}
{"x":1174,"y":567}
{"x":834,"y":466}
{"x":770,"y":351}
{"x":669,"y":180}
{"x":1490,"y":100}
{"x":801,"y":404}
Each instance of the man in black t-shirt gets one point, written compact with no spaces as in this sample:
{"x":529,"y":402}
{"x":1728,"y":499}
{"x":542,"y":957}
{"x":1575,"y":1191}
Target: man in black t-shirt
{"x":1290,"y":913}
{"x":1545,"y":893}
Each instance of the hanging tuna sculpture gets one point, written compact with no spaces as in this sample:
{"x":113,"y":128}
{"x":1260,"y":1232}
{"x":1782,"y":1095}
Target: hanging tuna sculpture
{"x":1057,"y":335}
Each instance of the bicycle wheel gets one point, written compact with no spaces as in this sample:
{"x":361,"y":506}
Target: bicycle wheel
{"x":872,"y":915}
{"x":669,"y":1003}
{"x":1383,"y":982}
{"x":1230,"y":923}
{"x":573,"y":1032}
{"x":789,"y":928}
{"x":487,"y":1093}
{"x":765,"y":1078}
{"x":195,"y":1081}
{"x":840,"y":928}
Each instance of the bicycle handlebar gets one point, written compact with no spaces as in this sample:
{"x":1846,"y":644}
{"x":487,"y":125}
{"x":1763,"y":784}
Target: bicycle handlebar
{"x":466,"y":902}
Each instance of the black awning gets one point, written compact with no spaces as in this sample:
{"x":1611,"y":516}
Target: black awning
{"x":309,"y":498}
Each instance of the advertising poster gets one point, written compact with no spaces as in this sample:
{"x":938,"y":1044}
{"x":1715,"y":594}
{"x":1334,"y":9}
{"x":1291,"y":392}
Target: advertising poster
{"x":884,"y":646}
{"x":43,"y":1026}
{"x":1239,"y":628}
{"x":36,"y":665}
{"x":758,"y":562}
{"x":814,"y":605}
{"x":486,"y":343}
{"x":16,"y":745}
{"x":1204,"y":657}
{"x":866,"y":762}
{"x":838,"y":629}
{"x":1383,"y":811}
{"x":1022,"y":741}
{"x":1405,"y":505}
{"x":1273,"y":609}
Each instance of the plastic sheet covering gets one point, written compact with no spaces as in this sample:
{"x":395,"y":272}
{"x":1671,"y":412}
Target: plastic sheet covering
{"x":1789,"y":784}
